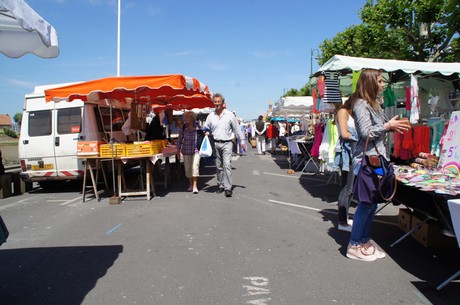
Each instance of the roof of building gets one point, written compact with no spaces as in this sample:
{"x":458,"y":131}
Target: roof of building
{"x":5,"y":119}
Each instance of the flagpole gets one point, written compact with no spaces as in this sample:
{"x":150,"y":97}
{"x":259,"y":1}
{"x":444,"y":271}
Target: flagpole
{"x":118,"y":39}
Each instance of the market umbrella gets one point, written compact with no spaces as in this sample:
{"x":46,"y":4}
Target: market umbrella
{"x":160,"y":89}
{"x":23,"y":31}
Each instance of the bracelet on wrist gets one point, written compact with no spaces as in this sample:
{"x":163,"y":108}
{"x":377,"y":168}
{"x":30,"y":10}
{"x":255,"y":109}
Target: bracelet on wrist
{"x":389,"y":125}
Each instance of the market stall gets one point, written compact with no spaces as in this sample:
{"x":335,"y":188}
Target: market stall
{"x":141,"y":94}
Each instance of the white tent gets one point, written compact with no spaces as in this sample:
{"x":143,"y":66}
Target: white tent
{"x":348,"y":64}
{"x":293,"y":105}
{"x":23,"y":31}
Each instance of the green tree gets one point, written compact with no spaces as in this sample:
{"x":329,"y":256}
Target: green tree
{"x":18,"y":118}
{"x":422,"y":30}
{"x":304,"y":91}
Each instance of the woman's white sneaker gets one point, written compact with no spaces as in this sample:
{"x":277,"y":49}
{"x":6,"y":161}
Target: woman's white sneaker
{"x":360,"y":253}
{"x":373,"y":249}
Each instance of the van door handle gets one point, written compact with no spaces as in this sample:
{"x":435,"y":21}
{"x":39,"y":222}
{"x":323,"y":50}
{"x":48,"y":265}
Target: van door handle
{"x":56,"y":141}
{"x":25,"y":142}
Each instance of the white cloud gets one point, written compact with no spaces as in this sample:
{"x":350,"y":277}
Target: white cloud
{"x":261,"y":54}
{"x":152,"y":10}
{"x":180,"y":53}
{"x":20,"y":83}
{"x":216,"y":66}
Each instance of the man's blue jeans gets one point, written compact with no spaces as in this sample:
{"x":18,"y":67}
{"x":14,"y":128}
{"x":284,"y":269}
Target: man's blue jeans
{"x":362,"y":223}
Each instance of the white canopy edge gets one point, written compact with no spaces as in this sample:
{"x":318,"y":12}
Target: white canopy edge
{"x":24,"y":31}
{"x":341,"y":62}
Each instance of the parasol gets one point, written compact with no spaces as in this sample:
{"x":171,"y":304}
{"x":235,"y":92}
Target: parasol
{"x":162,"y":89}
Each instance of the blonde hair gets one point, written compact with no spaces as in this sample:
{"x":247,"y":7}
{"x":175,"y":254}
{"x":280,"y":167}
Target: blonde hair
{"x":191,"y":114}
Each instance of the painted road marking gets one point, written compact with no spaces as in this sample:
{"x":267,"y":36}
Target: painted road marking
{"x":258,"y":287}
{"x":70,"y":201}
{"x":296,"y":177}
{"x":114,"y":229}
{"x":12,"y":204}
{"x":323,"y":211}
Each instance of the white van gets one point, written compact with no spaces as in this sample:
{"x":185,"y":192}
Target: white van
{"x":50,"y":132}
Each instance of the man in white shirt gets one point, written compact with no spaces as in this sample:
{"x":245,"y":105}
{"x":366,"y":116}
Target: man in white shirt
{"x":221,"y":124}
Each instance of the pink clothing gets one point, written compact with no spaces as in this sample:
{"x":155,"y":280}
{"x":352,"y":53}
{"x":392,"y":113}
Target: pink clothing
{"x":317,"y":141}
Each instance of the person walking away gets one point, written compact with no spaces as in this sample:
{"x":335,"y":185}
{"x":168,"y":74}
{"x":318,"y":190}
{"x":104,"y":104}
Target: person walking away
{"x":272,"y":135}
{"x":188,"y":143}
{"x":260,"y":135}
{"x":242,"y":151}
{"x":347,"y":140}
{"x":370,"y":121}
{"x":220,"y":124}
{"x":249,"y":132}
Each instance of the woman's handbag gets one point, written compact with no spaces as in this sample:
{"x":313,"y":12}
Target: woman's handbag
{"x":376,"y":179}
{"x":205,"y":148}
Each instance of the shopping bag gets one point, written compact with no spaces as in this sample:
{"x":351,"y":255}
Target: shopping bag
{"x":205,"y":148}
{"x":376,"y":179}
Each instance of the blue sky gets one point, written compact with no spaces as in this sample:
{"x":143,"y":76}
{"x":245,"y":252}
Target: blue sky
{"x":251,"y":51}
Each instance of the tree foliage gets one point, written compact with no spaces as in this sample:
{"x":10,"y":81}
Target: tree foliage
{"x":304,"y":91}
{"x":421,"y":30}
{"x":17,"y":117}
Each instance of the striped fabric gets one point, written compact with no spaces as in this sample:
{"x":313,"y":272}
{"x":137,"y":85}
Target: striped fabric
{"x":332,"y":90}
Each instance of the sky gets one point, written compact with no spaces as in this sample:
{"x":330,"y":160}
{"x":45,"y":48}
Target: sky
{"x":251,"y":51}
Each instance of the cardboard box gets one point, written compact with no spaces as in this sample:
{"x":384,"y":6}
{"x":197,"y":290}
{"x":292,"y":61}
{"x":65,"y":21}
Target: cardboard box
{"x":405,"y":219}
{"x":88,"y":148}
{"x":429,"y":235}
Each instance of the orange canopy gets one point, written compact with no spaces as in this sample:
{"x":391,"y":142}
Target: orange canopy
{"x":172,"y":89}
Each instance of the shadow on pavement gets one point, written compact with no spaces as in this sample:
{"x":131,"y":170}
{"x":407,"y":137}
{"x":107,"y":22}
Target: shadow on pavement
{"x":62,"y":275}
{"x":318,"y":186}
{"x":431,"y":266}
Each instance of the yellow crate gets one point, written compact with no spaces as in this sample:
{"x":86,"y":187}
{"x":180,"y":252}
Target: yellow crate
{"x":159,"y":144}
{"x":106,"y":150}
{"x":144,"y":149}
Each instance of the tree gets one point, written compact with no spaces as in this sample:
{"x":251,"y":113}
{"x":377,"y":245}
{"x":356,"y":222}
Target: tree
{"x":422,"y":30}
{"x":304,"y":91}
{"x":18,"y":118}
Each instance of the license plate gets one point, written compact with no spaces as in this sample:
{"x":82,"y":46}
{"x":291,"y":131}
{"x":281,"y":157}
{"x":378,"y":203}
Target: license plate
{"x":45,"y":167}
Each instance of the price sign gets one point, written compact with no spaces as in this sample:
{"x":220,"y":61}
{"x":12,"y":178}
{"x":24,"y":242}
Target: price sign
{"x":450,"y":154}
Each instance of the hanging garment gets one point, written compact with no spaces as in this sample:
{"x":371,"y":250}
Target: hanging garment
{"x":408,"y":100}
{"x":320,"y":83}
{"x":355,"y":75}
{"x":437,"y":130}
{"x":324,"y":147}
{"x":421,"y":140}
{"x":332,"y":90}
{"x":415,"y":104}
{"x":315,"y":101}
{"x":317,"y":141}
{"x":389,"y":98}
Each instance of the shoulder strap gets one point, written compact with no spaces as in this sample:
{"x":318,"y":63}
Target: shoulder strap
{"x":367,"y":142}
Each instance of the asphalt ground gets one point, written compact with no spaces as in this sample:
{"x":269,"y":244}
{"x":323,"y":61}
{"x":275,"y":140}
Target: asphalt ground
{"x":274,"y":242}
